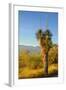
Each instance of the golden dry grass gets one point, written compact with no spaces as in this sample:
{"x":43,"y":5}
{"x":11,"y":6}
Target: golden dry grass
{"x":35,"y":73}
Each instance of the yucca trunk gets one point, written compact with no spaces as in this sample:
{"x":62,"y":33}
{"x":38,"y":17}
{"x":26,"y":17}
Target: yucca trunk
{"x":44,"y":59}
{"x":46,"y":64}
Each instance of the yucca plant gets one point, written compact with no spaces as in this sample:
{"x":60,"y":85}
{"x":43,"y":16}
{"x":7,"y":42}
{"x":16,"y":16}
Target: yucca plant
{"x":45,"y":42}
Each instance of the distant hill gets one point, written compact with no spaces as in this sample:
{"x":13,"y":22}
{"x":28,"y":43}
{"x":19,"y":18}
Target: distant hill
{"x":31,"y":49}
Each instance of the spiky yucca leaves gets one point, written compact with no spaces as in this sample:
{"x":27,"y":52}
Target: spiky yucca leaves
{"x":48,"y":41}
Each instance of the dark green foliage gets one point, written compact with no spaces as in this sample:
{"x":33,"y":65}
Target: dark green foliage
{"x":45,"y":38}
{"x":39,"y":34}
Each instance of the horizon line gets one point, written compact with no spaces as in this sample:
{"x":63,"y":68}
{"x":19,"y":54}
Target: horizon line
{"x":28,"y":45}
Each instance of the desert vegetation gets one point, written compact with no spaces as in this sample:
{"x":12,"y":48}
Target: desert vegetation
{"x":43,"y":63}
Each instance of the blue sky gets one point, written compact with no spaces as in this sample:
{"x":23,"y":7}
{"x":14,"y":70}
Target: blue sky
{"x":29,"y":23}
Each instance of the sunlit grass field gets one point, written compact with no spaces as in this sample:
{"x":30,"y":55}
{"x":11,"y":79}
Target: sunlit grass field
{"x":38,"y":73}
{"x":31,"y":66}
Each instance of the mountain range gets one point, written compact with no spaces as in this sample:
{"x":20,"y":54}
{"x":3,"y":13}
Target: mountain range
{"x":31,"y":49}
